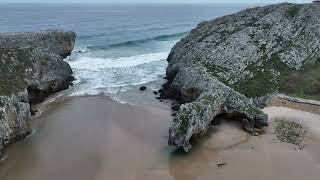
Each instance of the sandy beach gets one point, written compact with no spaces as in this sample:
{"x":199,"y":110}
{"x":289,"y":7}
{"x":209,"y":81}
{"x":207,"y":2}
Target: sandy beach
{"x":95,"y":138}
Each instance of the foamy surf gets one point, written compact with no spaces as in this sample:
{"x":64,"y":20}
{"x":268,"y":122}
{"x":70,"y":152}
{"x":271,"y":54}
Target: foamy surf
{"x":112,"y":68}
{"x":95,"y":64}
{"x":115,"y":75}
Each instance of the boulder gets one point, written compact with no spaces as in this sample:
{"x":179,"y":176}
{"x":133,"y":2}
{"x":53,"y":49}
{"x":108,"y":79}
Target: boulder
{"x":143,"y":88}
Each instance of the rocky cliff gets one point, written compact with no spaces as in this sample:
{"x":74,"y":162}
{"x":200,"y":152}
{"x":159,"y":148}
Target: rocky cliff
{"x":51,"y":41}
{"x":31,"y":68}
{"x":232,"y":64}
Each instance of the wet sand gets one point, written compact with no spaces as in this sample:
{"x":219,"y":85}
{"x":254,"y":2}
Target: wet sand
{"x":95,"y":138}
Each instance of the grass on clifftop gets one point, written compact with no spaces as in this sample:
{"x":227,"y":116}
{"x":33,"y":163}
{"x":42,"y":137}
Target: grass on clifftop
{"x":264,"y":80}
{"x":303,"y":84}
{"x":293,"y":11}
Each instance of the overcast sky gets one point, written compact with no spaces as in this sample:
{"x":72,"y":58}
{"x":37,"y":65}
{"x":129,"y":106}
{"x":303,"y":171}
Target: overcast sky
{"x":152,"y":1}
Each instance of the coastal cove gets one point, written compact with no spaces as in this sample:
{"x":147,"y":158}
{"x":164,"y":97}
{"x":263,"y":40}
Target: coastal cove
{"x":160,"y":91}
{"x":110,"y":55}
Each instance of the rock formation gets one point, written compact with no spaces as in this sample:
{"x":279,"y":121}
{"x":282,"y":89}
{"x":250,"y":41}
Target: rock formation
{"x":232,"y":64}
{"x":51,"y":41}
{"x":31,"y":68}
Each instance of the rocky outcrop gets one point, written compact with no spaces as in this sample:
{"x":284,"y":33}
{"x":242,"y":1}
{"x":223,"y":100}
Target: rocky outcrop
{"x":234,"y":63}
{"x":51,"y":41}
{"x":31,"y":68}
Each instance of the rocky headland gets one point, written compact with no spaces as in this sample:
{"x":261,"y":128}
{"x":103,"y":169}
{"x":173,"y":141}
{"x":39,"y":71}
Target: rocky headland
{"x":31,"y":68}
{"x":233,"y":65}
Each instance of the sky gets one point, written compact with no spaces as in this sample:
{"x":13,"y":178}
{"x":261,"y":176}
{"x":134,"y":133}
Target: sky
{"x":153,"y":1}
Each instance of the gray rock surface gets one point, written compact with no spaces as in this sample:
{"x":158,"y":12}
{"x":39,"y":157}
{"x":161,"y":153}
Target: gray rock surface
{"x":31,"y":68}
{"x":234,"y":63}
{"x":51,"y":41}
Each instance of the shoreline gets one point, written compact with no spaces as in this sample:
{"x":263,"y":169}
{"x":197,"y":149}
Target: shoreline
{"x":280,"y":100}
{"x":109,"y":139}
{"x":150,"y":100}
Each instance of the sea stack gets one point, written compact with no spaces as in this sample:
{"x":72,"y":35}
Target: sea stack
{"x":233,"y":65}
{"x":31,"y":68}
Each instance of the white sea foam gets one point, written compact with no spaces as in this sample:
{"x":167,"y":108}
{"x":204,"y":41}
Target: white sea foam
{"x":111,"y":76}
{"x":96,"y":64}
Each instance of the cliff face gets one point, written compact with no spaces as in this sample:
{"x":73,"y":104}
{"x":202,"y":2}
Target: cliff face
{"x":55,"y":41}
{"x":233,"y":63}
{"x":31,"y":68}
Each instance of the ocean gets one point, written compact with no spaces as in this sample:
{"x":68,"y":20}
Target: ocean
{"x":119,"y":47}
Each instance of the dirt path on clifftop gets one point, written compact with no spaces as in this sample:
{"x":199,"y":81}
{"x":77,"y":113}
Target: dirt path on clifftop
{"x":295,"y":103}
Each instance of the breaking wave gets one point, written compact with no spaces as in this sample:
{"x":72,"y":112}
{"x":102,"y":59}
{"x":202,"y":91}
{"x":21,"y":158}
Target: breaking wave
{"x":112,"y":75}
{"x":169,"y":37}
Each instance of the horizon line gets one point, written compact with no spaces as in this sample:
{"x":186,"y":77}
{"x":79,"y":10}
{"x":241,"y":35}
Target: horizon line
{"x":141,"y":3}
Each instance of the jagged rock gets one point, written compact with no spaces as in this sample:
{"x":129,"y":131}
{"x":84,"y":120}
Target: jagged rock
{"x":143,"y":88}
{"x":175,"y":108}
{"x":1,"y":147}
{"x":31,"y":68}
{"x":194,"y":118}
{"x":233,"y":64}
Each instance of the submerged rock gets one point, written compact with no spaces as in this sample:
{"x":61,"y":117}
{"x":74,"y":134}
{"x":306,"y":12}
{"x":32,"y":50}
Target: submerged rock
{"x":233,"y":64}
{"x":31,"y":68}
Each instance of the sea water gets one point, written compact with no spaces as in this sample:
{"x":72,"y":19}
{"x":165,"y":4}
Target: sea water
{"x":118,"y":46}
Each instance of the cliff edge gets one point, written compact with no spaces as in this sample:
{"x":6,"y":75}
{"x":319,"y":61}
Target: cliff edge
{"x":233,"y":64}
{"x":31,"y":68}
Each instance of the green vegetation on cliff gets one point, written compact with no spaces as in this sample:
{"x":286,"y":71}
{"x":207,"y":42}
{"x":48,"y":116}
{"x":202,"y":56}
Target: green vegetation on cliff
{"x":276,"y":76}
{"x":303,"y":84}
{"x":13,"y":66}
